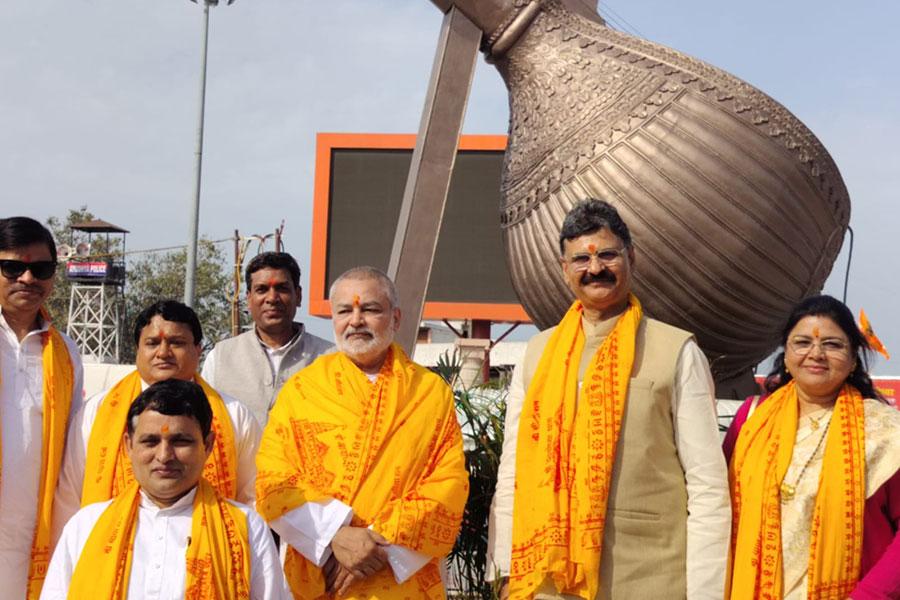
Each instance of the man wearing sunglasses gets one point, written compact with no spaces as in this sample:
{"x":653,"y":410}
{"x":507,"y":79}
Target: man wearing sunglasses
{"x":41,"y":383}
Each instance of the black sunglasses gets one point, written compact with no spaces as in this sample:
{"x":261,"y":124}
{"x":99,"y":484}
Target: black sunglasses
{"x":42,"y":269}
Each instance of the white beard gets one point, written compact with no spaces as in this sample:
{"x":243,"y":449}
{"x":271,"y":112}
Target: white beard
{"x":359,"y":349}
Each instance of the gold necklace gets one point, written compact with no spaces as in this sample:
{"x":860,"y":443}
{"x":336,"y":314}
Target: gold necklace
{"x":814,"y":422}
{"x":788,"y":491}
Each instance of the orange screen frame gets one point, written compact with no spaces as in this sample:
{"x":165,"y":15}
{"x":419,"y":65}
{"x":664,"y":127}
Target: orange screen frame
{"x":325,"y":142}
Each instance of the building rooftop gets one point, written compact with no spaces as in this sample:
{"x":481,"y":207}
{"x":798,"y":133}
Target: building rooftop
{"x":98,"y":226}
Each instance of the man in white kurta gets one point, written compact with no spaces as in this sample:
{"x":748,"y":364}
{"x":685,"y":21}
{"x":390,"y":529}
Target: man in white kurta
{"x":22,"y":331}
{"x":165,"y":510}
{"x":167,"y":336}
{"x":159,"y":547}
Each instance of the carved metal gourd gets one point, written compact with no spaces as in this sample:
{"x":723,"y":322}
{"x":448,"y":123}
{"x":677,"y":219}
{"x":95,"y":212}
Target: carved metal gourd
{"x":736,"y":209}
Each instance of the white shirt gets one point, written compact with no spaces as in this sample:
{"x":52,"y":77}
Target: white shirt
{"x":160,"y":544}
{"x":21,"y":420}
{"x":310,"y":528}
{"x":247,"y":433}
{"x":700,"y":454}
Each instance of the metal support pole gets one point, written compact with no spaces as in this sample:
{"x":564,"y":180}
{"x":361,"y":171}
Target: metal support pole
{"x":425,"y":195}
{"x":190,"y":279}
{"x":236,"y":296}
{"x":481,"y":329}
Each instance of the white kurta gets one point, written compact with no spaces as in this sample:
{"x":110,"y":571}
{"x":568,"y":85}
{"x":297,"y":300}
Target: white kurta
{"x":247,"y":433}
{"x":310,"y":528}
{"x":21,"y":419}
{"x":700,"y":454}
{"x":160,"y":544}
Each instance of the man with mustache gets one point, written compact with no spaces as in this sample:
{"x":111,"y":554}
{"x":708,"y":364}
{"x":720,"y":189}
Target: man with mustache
{"x":361,"y":468}
{"x":611,"y":483}
{"x":41,"y":386}
{"x":167,"y":337}
{"x":169,"y":534}
{"x":255,"y":364}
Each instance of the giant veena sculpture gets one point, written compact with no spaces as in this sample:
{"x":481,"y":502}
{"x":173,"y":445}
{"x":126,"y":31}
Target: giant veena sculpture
{"x":736,"y":209}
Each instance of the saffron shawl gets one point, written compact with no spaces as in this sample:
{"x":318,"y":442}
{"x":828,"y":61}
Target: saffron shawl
{"x":762,"y":455}
{"x":107,"y":470}
{"x":59,"y":379}
{"x":564,"y":457}
{"x":217,"y":561}
{"x":390,"y":449}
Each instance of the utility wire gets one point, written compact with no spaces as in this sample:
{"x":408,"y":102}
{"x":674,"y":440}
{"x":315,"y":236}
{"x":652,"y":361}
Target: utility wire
{"x":621,"y":22}
{"x":849,"y":260}
{"x":611,"y":21}
{"x":148,"y":250}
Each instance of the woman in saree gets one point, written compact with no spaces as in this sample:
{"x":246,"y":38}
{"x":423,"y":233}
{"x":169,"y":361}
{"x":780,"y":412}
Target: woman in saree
{"x":814,"y":469}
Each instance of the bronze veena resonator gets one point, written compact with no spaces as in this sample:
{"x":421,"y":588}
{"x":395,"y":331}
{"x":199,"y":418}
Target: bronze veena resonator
{"x":736,"y":209}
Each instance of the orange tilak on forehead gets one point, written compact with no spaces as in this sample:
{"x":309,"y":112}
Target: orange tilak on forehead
{"x":592,"y":248}
{"x":816,"y":331}
{"x":356,"y":300}
{"x":164,"y":429}
{"x":272,"y":282}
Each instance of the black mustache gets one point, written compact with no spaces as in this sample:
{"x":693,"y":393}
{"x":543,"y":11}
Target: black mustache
{"x":601,"y":277}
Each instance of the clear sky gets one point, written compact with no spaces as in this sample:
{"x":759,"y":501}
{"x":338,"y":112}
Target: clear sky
{"x":99,"y":105}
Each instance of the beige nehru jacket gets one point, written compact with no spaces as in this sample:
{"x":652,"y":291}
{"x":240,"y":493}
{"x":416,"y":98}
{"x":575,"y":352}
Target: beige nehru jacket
{"x":662,"y":458}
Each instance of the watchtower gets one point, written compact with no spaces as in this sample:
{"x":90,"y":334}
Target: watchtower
{"x":96,"y":269}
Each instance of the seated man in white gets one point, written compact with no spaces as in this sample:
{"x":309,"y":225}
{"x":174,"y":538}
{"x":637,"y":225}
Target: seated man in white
{"x":95,"y":467}
{"x":169,"y":534}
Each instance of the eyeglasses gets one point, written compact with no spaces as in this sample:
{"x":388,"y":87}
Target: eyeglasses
{"x":606,"y":257}
{"x":42,"y":269}
{"x":830,"y":347}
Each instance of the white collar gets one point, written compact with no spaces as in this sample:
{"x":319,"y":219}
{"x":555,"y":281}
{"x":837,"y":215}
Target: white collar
{"x":180,"y":504}
{"x":283,"y":347}
{"x":45,"y":325}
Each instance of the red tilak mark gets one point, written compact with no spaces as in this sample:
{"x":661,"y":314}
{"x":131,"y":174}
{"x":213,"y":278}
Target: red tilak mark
{"x":592,"y":248}
{"x":162,"y":336}
{"x":165,"y":429}
{"x":272,"y":283}
{"x":356,"y":300}
{"x":816,"y":331}
{"x":27,"y":258}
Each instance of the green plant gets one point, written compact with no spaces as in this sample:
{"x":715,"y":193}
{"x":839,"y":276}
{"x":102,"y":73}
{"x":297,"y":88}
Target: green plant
{"x":481,"y":411}
{"x":448,"y":367}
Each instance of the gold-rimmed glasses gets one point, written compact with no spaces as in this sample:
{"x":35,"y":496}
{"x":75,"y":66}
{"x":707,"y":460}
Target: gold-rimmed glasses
{"x":831,"y":347}
{"x":607,"y":257}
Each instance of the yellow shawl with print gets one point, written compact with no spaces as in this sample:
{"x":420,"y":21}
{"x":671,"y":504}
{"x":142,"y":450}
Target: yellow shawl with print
{"x":564,"y":457}
{"x":107,"y":470}
{"x":217,"y":559}
{"x":390,"y":449}
{"x":762,"y":455}
{"x":59,"y":379}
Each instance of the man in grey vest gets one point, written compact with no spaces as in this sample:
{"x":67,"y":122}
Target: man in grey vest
{"x":254,"y":365}
{"x":614,"y":486}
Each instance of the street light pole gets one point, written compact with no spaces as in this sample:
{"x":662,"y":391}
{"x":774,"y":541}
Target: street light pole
{"x":190,"y":280}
